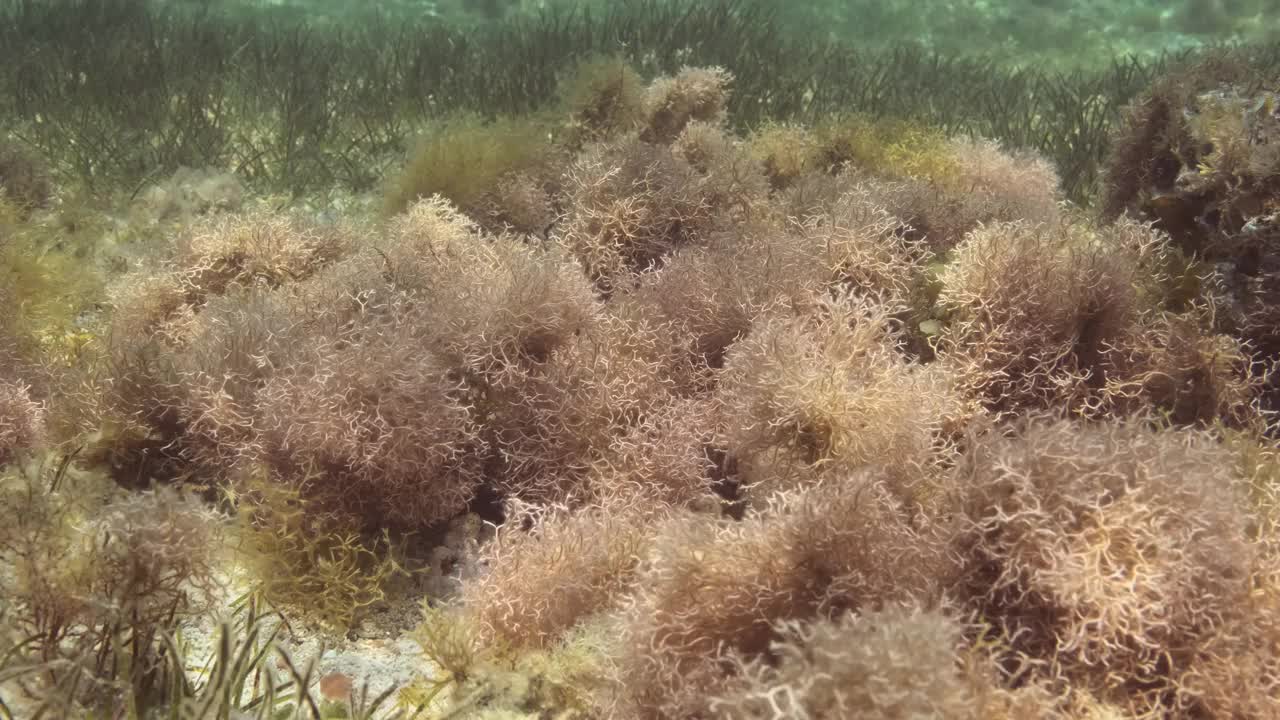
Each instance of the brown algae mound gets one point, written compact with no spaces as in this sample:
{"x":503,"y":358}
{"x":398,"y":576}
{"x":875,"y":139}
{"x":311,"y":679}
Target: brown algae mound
{"x":636,"y":416}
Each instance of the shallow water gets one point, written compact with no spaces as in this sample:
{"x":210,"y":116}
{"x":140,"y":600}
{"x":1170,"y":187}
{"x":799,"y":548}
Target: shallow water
{"x":1063,"y":33}
{"x":366,"y":271}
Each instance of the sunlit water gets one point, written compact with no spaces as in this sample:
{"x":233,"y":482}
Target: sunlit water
{"x":1064,"y":33}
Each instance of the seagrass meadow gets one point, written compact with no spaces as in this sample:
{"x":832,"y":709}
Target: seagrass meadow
{"x":639,"y":360}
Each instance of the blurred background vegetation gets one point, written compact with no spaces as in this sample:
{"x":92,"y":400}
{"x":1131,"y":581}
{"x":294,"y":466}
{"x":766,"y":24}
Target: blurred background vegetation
{"x":1062,"y":33}
{"x":117,"y":93}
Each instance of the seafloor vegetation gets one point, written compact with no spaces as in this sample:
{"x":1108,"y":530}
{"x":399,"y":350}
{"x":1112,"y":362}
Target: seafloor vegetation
{"x":1060,"y":33}
{"x":647,"y":365}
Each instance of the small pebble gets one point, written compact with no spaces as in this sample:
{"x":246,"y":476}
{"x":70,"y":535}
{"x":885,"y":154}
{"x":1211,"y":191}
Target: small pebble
{"x":335,"y":686}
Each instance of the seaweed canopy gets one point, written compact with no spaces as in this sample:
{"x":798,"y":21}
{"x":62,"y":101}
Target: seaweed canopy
{"x":1118,"y":546}
{"x":901,"y":661}
{"x":97,"y":578}
{"x":712,"y":590}
{"x":758,"y":417}
{"x":463,"y":158}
